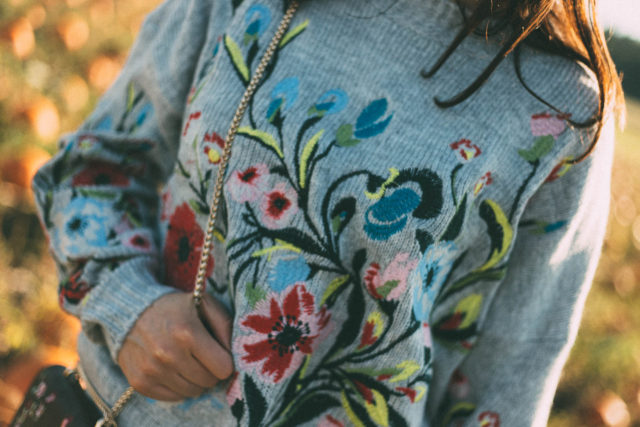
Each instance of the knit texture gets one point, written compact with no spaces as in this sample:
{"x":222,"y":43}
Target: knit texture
{"x":386,"y":262}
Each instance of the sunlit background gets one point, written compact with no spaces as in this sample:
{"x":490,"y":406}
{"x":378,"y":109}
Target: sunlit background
{"x":57,"y":56}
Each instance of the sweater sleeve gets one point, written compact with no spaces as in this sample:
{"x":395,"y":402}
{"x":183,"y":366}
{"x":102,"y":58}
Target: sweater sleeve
{"x":509,"y":374}
{"x":98,"y":196}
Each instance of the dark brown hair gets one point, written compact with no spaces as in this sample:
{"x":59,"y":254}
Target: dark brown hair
{"x":563,"y":27}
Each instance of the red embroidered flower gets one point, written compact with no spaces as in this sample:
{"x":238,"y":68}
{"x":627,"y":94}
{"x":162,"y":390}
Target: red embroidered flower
{"x":213,"y":153}
{"x":74,"y":289}
{"x":466,"y":149}
{"x":138,"y":241}
{"x":193,"y":116}
{"x":283,"y":329}
{"x":100,"y":173}
{"x":330,"y":421}
{"x":183,"y":248}
{"x":249,"y":184}
{"x":279,"y":205}
{"x":459,"y":386}
{"x":484,"y":181}
{"x":489,"y":419}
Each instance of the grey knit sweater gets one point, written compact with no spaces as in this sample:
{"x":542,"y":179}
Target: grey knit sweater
{"x":386,"y":262}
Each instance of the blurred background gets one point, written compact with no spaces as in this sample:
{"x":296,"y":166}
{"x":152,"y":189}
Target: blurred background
{"x":58,"y":56}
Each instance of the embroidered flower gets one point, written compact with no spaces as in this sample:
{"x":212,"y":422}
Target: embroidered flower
{"x":279,"y":205}
{"x":484,"y":181}
{"x":372,"y":330}
{"x":459,"y":386}
{"x":393,"y":281}
{"x":257,"y":18}
{"x":213,"y":153}
{"x":73,"y":290}
{"x":489,"y":419}
{"x":183,"y":248}
{"x":100,"y":173}
{"x":249,"y":184}
{"x":138,"y":240}
{"x":166,"y":203}
{"x":283,"y":96}
{"x":330,"y":421}
{"x":331,"y":102}
{"x":389,"y":215}
{"x":545,"y":124}
{"x":433,"y":268}
{"x":466,"y":149}
{"x":283,"y":329}
{"x":234,"y":393}
{"x":87,"y":224}
{"x":288,"y":270}
{"x":414,"y":394}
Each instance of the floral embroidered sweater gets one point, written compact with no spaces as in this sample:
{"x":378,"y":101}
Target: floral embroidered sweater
{"x":386,"y":262}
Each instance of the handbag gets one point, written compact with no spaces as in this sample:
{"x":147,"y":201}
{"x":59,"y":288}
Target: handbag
{"x":56,"y":396}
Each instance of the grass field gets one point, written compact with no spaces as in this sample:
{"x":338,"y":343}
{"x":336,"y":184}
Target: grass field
{"x":55,"y":59}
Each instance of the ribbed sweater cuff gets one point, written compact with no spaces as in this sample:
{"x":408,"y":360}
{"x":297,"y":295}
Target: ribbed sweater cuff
{"x":112,"y":308}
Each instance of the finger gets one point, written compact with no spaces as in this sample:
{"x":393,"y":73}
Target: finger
{"x":179,"y":385}
{"x":160,"y":392}
{"x":211,"y":354}
{"x":196,"y":373}
{"x":218,"y":320}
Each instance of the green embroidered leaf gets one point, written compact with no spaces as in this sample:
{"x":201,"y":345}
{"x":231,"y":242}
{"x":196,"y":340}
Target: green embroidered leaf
{"x":499,"y":229}
{"x":254,"y":294}
{"x":386,"y":289}
{"x":454,"y":227}
{"x":344,"y":136}
{"x":198,"y":207}
{"x":474,"y":277}
{"x":307,"y":152}
{"x":334,"y":285}
{"x":310,"y":407}
{"x":236,"y":58}
{"x":352,"y":326}
{"x":293,"y":33}
{"x":462,"y":409}
{"x":255,"y":402}
{"x":131,"y":96}
{"x":262,"y":137}
{"x":541,"y":147}
{"x":104,"y":195}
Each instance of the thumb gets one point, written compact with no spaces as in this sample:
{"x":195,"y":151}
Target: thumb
{"x":217,"y":320}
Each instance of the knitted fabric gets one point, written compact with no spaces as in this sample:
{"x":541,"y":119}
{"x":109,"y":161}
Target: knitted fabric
{"x":386,"y":262}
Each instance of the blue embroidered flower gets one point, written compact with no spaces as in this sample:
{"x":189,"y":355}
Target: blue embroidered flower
{"x":283,"y":96}
{"x":331,"y":102}
{"x":432,"y":271}
{"x":86,"y":225}
{"x":389,"y":215}
{"x":288,"y":271}
{"x":369,"y":124}
{"x":257,"y":19}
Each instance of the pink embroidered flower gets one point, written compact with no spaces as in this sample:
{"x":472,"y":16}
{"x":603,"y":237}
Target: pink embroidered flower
{"x":484,"y":181}
{"x":489,"y":419}
{"x":459,"y":386}
{"x":249,"y":184}
{"x":330,"y":421}
{"x":278,"y":205}
{"x":283,"y":329}
{"x":214,"y":144}
{"x":234,"y":393}
{"x":466,"y":149}
{"x":166,"y":205}
{"x":546,"y":124}
{"x":426,"y":333}
{"x":391,"y":283}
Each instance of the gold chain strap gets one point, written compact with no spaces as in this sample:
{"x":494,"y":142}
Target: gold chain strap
{"x":110,"y":415}
{"x":226,"y":154}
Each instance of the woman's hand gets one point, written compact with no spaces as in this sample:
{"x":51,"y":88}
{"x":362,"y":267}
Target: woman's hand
{"x":170,"y":355}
